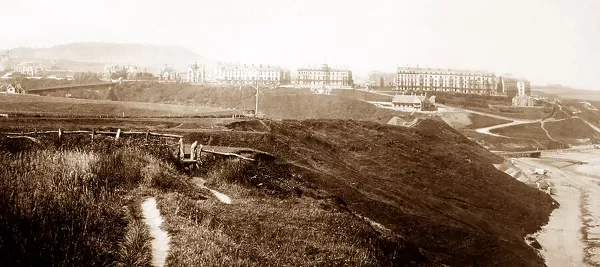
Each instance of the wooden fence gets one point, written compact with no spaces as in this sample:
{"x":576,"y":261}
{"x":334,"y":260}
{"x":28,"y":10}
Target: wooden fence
{"x":194,"y":158}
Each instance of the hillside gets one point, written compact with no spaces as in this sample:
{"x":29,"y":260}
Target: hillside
{"x":68,"y":107}
{"x":145,"y":55}
{"x":275,"y":103}
{"x":429,"y":185}
{"x":572,"y":131}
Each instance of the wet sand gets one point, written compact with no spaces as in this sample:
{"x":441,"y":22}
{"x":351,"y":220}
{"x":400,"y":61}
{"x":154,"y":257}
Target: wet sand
{"x":572,"y":236}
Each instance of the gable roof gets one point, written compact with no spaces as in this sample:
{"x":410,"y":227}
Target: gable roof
{"x":407,"y":99}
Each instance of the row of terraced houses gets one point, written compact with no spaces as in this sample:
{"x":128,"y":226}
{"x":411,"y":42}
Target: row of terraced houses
{"x":324,"y":76}
{"x":460,"y":81}
{"x":246,"y":74}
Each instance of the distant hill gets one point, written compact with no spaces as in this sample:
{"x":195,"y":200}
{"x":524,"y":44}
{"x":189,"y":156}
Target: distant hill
{"x":565,"y":92}
{"x":143,"y":55}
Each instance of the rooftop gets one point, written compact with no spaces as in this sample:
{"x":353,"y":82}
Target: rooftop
{"x":412,"y":99}
{"x":440,"y":70}
{"x":323,"y":67}
{"x":255,"y":67}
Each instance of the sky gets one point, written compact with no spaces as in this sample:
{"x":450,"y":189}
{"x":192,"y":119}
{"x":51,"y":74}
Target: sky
{"x":547,"y":41}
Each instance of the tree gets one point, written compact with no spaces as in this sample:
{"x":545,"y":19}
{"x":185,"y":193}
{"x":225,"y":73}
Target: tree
{"x":111,"y":95}
{"x":144,"y":76}
{"x":119,"y":74}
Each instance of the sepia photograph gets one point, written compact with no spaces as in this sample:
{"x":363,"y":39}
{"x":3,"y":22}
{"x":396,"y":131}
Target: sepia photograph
{"x":427,"y":133}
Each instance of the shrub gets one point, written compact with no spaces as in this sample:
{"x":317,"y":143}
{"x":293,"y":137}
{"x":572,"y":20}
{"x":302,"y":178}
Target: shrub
{"x":64,"y":207}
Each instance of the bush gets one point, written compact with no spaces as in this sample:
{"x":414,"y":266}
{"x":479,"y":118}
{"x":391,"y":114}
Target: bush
{"x":63,"y":207}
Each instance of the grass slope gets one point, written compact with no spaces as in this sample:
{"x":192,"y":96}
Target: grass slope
{"x":572,"y":131}
{"x":56,"y":106}
{"x":496,"y":143}
{"x":525,"y":131}
{"x":77,"y":203}
{"x":429,"y":185}
{"x":464,"y":120}
{"x":481,"y":121}
{"x":74,"y":203}
{"x":277,"y":104}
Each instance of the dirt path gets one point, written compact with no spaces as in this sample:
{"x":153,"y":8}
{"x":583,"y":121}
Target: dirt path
{"x":546,"y":131}
{"x":220,"y":196}
{"x":572,"y":236}
{"x":486,"y":130}
{"x":160,"y":238}
{"x":483,"y":113}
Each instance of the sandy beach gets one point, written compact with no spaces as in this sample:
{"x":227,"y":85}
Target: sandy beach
{"x":572,"y":236}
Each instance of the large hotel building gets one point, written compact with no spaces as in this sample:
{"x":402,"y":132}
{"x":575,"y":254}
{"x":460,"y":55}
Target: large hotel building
{"x":251,"y":74}
{"x":460,"y":81}
{"x":446,"y":80}
{"x":325,"y":76}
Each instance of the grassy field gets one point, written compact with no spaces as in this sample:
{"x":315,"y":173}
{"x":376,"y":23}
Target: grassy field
{"x":524,"y":131}
{"x":76,"y":203}
{"x":572,"y":131}
{"x":464,"y":120}
{"x":56,"y":106}
{"x":70,"y":204}
{"x":496,"y":143}
{"x":469,"y":100}
{"x":274,"y":220}
{"x":480,"y":121}
{"x":275,"y":103}
{"x":428,"y":185}
{"x":362,"y":95}
{"x":519,"y":113}
{"x":26,"y":124}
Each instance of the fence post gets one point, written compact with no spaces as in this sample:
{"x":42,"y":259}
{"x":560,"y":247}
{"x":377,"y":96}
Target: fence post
{"x":181,"y":151}
{"x":118,"y":134}
{"x":93,"y":133}
{"x":147,"y":133}
{"x":193,"y":150}
{"x":59,"y":134}
{"x":200,"y":154}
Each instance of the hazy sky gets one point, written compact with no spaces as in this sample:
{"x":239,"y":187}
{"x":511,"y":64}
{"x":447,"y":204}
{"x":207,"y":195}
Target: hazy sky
{"x":548,"y":41}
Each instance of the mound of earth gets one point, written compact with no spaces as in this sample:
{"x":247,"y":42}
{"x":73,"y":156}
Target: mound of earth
{"x":428,"y":184}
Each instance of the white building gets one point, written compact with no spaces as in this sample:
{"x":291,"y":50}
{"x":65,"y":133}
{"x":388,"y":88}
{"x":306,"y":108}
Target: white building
{"x":413,"y":103}
{"x":251,"y":74}
{"x":446,"y":80}
{"x":30,"y":68}
{"x":196,"y":73}
{"x":325,"y":76}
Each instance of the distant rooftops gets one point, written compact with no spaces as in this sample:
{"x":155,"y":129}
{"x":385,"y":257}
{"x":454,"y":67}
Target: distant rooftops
{"x":444,"y":71}
{"x":510,"y":77}
{"x":407,"y":99}
{"x":323,"y":67}
{"x":255,"y":67}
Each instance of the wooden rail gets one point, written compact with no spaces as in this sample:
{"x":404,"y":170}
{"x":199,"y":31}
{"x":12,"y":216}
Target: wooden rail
{"x":194,"y":158}
{"x":69,"y":86}
{"x":118,"y":132}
